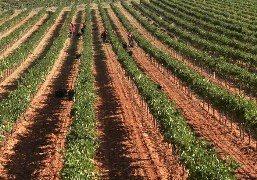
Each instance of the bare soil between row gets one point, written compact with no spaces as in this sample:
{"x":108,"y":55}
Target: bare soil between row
{"x":131,"y":146}
{"x":205,"y":125}
{"x":34,"y":149}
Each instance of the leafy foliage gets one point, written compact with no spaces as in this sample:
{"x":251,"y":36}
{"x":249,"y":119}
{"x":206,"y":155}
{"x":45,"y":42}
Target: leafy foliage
{"x":202,"y":162}
{"x":243,"y":110}
{"x":18,"y":100}
{"x":81,"y":143}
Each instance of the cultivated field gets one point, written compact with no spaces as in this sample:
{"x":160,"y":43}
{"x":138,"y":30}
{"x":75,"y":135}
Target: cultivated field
{"x":181,"y":103}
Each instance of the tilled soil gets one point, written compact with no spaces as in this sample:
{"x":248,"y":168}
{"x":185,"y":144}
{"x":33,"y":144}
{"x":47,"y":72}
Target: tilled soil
{"x":16,"y":13}
{"x":10,"y":30}
{"x":156,"y":43}
{"x":33,"y":150}
{"x":14,"y":45}
{"x":221,"y":81}
{"x":206,"y":126}
{"x":131,"y":146}
{"x":9,"y":82}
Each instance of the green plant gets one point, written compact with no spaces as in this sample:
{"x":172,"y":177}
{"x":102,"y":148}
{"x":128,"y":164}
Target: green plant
{"x":81,"y":143}
{"x":202,"y":162}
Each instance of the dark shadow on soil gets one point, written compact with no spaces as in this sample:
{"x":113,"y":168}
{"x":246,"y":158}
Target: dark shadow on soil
{"x":36,"y":145}
{"x":114,"y":149}
{"x":55,"y":34}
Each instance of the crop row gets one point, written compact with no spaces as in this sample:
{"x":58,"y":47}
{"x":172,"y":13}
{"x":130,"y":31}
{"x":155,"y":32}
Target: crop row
{"x":6,"y":41}
{"x":228,"y":8}
{"x":246,"y":11}
{"x":19,"y":99}
{"x":201,"y":162}
{"x":224,"y":11}
{"x":6,"y":14}
{"x":220,"y":18}
{"x":236,"y":106}
{"x":6,"y":25}
{"x":81,"y":143}
{"x":200,"y":38}
{"x":229,"y":71}
{"x":229,"y":33}
{"x":20,"y":4}
{"x":211,"y":31}
{"x":26,"y":48}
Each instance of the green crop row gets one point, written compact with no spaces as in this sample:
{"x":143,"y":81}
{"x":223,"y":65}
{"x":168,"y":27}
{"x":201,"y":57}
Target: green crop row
{"x":201,"y":39}
{"x":232,"y":22}
{"x":206,"y":29}
{"x":19,"y":99}
{"x":6,"y":41}
{"x":222,"y":13}
{"x":236,"y":106}
{"x":228,"y":71}
{"x":226,"y":32}
{"x":27,"y":47}
{"x":6,"y":14}
{"x":20,"y":4}
{"x":81,"y":143}
{"x":199,"y":160}
{"x":233,"y":6}
{"x":6,"y":25}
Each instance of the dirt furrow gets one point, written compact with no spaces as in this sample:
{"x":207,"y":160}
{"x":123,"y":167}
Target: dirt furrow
{"x":158,"y":44}
{"x":33,"y":150}
{"x":205,"y":125}
{"x":10,"y":82}
{"x":230,"y":86}
{"x":145,"y":132}
{"x":16,"y":13}
{"x":14,"y":45}
{"x":141,"y":139}
{"x":10,"y":30}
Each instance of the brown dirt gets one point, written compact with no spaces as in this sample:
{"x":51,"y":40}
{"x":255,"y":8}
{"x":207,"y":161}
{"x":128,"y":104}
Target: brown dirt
{"x":206,"y":126}
{"x":14,"y":45}
{"x":9,"y":82}
{"x":16,"y":13}
{"x":230,"y":86}
{"x":219,"y":81}
{"x":10,"y":30}
{"x":33,"y":150}
{"x":156,"y":43}
{"x":132,"y":147}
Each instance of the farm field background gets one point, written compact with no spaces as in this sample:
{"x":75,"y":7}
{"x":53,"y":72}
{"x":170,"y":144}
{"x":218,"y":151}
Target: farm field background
{"x":179,"y":102}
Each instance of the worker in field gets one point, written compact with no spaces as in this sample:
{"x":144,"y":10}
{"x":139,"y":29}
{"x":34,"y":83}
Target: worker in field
{"x":72,"y":29}
{"x":131,"y":39}
{"x":83,"y":28}
{"x":115,"y":32}
{"x":104,"y":36}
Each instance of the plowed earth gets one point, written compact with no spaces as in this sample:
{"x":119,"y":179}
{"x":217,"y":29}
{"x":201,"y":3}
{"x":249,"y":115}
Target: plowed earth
{"x":33,"y":150}
{"x":9,"y":82}
{"x":205,"y":125}
{"x":131,"y":146}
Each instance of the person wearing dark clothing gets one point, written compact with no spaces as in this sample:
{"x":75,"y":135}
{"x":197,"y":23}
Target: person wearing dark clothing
{"x":104,"y":36}
{"x":72,"y":29}
{"x":83,"y":28}
{"x":131,"y":39}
